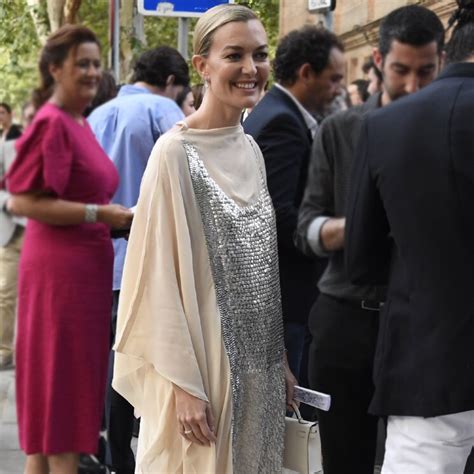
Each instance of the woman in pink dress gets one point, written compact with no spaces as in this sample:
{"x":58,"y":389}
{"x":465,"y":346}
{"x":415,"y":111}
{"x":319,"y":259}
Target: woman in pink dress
{"x":63,"y":182}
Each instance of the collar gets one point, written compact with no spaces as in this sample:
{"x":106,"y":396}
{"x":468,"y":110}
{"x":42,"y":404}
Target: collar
{"x":457,"y":70}
{"x":310,"y":121}
{"x":129,"y":89}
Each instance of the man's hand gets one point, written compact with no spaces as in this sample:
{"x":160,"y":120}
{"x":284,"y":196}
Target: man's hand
{"x":332,"y":234}
{"x":290,"y":381}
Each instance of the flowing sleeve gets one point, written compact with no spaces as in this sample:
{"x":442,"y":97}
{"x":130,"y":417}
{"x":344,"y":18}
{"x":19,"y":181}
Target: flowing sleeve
{"x":159,"y":325}
{"x":44,"y":159}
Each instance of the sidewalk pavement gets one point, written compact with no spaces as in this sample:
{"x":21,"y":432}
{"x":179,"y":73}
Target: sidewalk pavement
{"x":12,"y":459}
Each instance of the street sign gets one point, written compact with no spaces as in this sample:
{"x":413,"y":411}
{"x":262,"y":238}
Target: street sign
{"x":178,"y":8}
{"x":317,"y":5}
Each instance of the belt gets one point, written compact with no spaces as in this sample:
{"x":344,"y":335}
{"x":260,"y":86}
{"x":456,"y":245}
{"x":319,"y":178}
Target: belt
{"x":368,"y":305}
{"x":371,"y":305}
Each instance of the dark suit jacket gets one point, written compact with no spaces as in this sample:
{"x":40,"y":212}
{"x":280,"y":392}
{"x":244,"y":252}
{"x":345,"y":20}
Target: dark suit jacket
{"x":283,"y":136}
{"x":413,"y":178}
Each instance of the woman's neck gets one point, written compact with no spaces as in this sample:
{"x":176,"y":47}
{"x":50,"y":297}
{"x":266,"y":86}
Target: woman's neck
{"x":211,"y":115}
{"x":73,"y":109}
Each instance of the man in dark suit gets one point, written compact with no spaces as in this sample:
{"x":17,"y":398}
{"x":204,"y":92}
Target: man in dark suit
{"x":344,"y":319}
{"x":409,"y":223}
{"x":308,"y":68}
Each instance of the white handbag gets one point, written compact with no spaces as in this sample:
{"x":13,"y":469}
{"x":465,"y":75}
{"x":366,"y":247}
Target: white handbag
{"x":302,"y":445}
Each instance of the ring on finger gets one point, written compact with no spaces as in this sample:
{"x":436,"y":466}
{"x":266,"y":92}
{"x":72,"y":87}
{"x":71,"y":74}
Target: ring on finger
{"x":186,"y":432}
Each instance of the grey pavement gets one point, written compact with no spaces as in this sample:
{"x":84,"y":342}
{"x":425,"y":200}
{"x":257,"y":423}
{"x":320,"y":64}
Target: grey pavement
{"x":12,"y":458}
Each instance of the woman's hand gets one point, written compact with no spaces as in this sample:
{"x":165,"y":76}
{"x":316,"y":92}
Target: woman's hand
{"x":195,"y":419}
{"x":291,"y":381}
{"x":115,"y":215}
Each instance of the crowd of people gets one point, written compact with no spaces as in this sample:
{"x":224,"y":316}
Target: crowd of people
{"x":187,"y":255}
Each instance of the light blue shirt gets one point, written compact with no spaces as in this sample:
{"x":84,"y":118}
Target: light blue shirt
{"x":127,"y":127}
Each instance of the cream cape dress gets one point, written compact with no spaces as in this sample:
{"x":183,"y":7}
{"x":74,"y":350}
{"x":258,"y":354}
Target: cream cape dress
{"x":169,"y":328}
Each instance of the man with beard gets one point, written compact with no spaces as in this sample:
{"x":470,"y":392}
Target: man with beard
{"x":344,"y":319}
{"x":416,"y":184}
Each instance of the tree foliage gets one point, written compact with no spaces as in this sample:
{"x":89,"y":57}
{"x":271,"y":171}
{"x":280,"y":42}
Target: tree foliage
{"x":20,"y":46}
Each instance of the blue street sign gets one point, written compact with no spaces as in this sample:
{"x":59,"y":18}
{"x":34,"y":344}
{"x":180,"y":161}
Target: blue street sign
{"x":178,"y":8}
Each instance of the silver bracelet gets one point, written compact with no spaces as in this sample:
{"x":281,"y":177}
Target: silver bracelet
{"x":91,"y":213}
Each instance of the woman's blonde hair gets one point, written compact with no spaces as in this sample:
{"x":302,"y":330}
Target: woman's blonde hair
{"x":213,"y":19}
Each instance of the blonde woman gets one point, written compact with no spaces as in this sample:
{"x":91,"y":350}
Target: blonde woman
{"x":200,"y":345}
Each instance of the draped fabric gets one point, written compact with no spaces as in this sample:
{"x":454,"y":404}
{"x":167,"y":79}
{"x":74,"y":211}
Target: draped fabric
{"x":169,"y":327}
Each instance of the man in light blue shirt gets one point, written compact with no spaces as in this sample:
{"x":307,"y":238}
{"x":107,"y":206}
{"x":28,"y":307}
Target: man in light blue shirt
{"x":127,"y":127}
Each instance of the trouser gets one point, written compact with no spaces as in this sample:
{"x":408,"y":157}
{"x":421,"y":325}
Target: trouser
{"x":340,"y":364}
{"x":9,"y":258}
{"x":438,"y":445}
{"x":119,"y":416}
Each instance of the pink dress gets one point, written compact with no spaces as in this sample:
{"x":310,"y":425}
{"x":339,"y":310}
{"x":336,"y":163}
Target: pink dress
{"x":65,"y":289}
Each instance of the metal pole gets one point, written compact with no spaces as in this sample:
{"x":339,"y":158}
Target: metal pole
{"x":183,"y":37}
{"x":116,"y":39}
{"x":328,"y":20}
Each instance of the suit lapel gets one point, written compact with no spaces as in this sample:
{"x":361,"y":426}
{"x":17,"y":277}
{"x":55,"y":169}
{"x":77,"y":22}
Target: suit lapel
{"x":282,"y":97}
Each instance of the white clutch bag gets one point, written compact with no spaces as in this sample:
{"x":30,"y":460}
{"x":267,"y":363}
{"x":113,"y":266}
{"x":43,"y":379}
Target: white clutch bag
{"x":302,"y":445}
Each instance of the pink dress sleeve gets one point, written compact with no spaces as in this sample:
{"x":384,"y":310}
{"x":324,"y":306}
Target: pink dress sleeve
{"x":44,"y":159}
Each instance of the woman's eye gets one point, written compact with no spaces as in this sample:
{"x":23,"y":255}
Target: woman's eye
{"x":261,"y":56}
{"x":233,"y":57}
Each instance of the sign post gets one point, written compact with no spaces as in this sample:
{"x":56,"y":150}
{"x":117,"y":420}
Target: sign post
{"x":317,"y":5}
{"x":182,"y":9}
{"x":323,"y":6}
{"x":178,"y":8}
{"x":183,"y":24}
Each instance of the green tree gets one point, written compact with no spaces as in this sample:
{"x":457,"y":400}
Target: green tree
{"x":18,"y":51}
{"x":20,"y":45}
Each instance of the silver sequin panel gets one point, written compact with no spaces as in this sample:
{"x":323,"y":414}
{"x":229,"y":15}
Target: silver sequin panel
{"x":242,"y":248}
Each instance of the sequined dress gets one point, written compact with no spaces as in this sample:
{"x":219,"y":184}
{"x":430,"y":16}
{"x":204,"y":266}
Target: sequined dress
{"x":229,"y":307}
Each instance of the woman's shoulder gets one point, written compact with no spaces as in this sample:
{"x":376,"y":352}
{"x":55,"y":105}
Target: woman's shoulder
{"x":171,"y":142}
{"x":169,"y":148}
{"x":48,"y":118}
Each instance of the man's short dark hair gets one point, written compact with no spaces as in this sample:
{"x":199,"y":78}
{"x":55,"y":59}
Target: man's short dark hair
{"x":156,"y":65}
{"x":368,"y":65}
{"x":5,"y":106}
{"x":362,"y":88}
{"x":310,"y":44}
{"x":461,"y":45}
{"x":413,"y":25}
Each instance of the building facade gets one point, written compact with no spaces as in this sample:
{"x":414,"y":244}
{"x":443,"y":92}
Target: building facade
{"x":356,"y":22}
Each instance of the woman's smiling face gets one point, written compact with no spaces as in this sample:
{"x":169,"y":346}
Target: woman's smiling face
{"x":237,"y":66}
{"x":79,"y":75}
